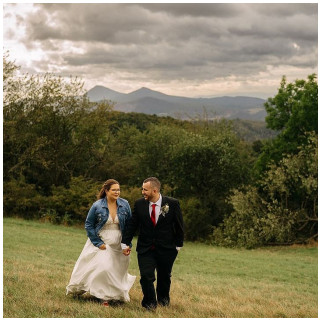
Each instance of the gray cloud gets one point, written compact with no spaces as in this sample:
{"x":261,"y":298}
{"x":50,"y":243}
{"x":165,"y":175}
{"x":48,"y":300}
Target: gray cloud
{"x":286,"y":9}
{"x":172,"y":42}
{"x":109,"y":23}
{"x":196,"y":10}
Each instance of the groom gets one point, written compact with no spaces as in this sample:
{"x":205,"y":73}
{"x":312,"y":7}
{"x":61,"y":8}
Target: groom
{"x":160,"y":224}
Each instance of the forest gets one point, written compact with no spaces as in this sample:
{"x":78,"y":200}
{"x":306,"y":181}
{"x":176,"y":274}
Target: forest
{"x":239,"y":183}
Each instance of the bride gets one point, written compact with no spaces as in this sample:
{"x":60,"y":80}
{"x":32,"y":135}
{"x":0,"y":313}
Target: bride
{"x":101,"y":269}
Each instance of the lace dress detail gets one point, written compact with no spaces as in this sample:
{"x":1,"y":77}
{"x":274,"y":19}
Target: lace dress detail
{"x":103,"y":273}
{"x":111,"y":224}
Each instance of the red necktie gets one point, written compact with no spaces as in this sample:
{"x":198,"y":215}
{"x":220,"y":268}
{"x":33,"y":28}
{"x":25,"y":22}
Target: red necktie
{"x":153,"y":214}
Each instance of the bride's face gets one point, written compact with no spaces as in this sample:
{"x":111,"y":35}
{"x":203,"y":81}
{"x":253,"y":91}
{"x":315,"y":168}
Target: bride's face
{"x":114,"y":192}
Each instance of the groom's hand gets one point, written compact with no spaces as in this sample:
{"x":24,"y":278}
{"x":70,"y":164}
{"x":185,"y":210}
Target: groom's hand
{"x":126,"y":251}
{"x":103,"y":247}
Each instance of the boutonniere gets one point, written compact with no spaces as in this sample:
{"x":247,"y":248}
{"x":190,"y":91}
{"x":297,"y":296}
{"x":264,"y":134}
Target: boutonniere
{"x":164,"y":210}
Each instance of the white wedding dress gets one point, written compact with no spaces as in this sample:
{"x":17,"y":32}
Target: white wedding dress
{"x":103,"y":273}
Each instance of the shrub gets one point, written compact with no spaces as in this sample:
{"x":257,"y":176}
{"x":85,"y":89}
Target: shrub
{"x":65,"y":205}
{"x":131,"y":194}
{"x":282,"y":209}
{"x":22,"y":200}
{"x":196,"y":219}
{"x":255,"y":222}
{"x":71,"y":205}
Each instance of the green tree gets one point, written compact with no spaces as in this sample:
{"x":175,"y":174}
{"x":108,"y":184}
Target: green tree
{"x":122,"y":161}
{"x":294,"y":112}
{"x":294,"y":109}
{"x":208,"y":166}
{"x":155,"y":150}
{"x":51,"y":130}
{"x":282,"y":208}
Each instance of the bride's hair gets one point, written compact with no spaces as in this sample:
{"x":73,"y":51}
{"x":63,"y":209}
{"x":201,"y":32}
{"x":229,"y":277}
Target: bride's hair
{"x":106,"y":186}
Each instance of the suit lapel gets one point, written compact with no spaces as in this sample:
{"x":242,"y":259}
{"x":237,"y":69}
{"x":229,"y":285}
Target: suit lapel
{"x":163,"y":202}
{"x":146,"y":212}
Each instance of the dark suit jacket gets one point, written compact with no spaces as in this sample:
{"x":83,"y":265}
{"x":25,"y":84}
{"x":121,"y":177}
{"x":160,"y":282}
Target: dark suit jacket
{"x":168,"y":232}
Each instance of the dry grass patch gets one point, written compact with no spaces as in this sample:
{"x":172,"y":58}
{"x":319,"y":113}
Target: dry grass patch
{"x":207,"y":282}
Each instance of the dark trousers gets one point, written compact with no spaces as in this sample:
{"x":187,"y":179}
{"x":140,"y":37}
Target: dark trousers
{"x":162,"y":261}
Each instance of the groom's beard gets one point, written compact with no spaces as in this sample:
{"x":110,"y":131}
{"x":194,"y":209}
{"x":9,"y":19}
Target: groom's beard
{"x":146,"y":197}
{"x":151,"y":197}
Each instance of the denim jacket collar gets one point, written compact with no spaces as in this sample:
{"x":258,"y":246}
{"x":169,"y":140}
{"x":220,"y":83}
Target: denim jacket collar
{"x":105,"y":203}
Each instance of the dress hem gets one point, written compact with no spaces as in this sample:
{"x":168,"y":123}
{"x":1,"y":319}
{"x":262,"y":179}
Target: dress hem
{"x":82,"y":290}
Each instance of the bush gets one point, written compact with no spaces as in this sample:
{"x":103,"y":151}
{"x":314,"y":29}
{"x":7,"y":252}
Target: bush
{"x":131,"y":194}
{"x":65,"y":205}
{"x":282,"y":209}
{"x":22,"y":200}
{"x":196,"y":219}
{"x":255,"y":222}
{"x":71,"y":205}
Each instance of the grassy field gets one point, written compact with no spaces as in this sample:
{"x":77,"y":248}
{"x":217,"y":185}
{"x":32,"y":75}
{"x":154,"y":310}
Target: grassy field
{"x":207,"y":281}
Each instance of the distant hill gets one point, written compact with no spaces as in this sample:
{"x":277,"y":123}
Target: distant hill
{"x":149,"y":101}
{"x":99,"y":93}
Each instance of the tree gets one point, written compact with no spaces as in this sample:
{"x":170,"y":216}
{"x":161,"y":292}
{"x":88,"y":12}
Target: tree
{"x":282,"y":208}
{"x":51,"y":130}
{"x":293,"y":112}
{"x":294,"y":109}
{"x":208,"y":165}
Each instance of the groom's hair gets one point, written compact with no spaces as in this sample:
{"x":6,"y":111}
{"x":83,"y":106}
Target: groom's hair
{"x":155,"y":183}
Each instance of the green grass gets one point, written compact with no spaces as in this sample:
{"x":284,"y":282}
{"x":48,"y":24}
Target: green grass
{"x":207,"y":281}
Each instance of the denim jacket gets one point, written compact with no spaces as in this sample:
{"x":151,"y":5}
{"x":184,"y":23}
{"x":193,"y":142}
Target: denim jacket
{"x":99,"y":214}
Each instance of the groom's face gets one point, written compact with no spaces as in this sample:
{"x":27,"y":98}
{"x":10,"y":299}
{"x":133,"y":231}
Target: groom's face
{"x":148,"y":192}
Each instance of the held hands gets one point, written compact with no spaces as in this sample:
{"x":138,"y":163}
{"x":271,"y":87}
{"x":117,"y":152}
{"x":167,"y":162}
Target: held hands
{"x":126,"y":251}
{"x":103,"y":247}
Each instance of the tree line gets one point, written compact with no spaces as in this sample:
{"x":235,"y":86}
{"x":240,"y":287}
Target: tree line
{"x":58,"y":148}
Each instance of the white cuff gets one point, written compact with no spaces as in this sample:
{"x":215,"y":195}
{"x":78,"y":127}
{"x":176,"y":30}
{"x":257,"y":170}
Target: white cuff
{"x":124,"y":246}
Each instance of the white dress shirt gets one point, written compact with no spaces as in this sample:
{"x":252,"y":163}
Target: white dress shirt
{"x":157,"y":209}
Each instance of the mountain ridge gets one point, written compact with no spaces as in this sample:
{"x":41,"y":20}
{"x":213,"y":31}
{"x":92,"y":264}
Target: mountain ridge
{"x":149,"y":101}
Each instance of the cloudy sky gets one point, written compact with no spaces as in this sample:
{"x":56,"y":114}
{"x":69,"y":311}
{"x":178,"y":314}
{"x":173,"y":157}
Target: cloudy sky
{"x":181,"y":49}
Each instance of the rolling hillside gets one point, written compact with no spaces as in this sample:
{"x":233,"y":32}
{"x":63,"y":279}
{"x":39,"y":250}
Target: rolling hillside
{"x":149,"y":101}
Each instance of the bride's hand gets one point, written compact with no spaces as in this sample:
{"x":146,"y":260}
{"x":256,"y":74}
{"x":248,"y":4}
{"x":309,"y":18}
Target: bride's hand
{"x":126,"y":251}
{"x":103,"y":247}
